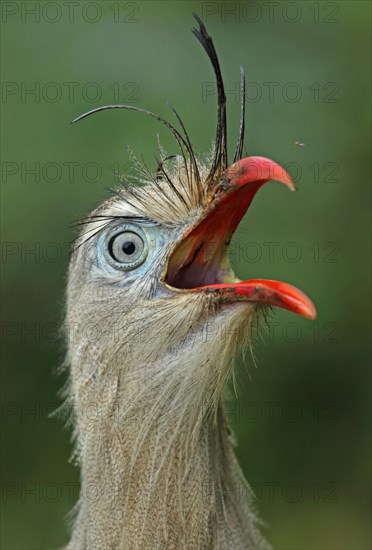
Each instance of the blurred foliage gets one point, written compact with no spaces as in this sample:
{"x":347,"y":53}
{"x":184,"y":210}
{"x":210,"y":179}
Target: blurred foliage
{"x":302,"y":417}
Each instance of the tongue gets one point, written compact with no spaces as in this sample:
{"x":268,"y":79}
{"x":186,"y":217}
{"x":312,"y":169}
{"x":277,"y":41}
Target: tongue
{"x":266,"y":291}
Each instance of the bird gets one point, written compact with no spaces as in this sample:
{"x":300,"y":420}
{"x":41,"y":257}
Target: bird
{"x":158,"y":319}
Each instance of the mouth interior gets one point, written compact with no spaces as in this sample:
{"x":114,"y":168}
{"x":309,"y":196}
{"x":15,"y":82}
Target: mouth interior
{"x":205,"y":263}
{"x":201,"y":258}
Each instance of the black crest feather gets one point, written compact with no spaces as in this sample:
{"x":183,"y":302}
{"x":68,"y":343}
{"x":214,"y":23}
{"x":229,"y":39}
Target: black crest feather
{"x":220,"y":158}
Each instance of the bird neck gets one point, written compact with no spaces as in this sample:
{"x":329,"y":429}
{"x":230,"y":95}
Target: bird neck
{"x":157,"y":463}
{"x":155,"y":491}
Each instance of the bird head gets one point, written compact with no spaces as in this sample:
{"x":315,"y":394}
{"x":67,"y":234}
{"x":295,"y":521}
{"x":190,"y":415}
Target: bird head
{"x":150,"y":275}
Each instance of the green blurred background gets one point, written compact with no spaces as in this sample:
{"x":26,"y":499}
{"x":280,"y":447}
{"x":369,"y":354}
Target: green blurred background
{"x":303,"y":419}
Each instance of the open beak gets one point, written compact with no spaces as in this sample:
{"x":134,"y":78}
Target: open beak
{"x":199,"y":262}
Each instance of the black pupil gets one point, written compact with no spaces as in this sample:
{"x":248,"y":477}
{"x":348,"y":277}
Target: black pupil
{"x":128,"y":247}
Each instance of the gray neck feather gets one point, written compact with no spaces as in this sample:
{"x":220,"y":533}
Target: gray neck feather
{"x":157,"y":464}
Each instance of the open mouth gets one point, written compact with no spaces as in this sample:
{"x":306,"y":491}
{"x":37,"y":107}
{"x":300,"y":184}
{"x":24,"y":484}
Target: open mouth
{"x":200,"y":261}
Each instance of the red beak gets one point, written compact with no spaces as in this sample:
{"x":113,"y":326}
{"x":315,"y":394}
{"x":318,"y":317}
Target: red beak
{"x":199,"y":263}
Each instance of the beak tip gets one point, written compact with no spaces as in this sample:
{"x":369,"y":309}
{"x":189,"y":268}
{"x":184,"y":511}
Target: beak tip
{"x":312,"y":314}
{"x":288,"y":181}
{"x":308,"y":309}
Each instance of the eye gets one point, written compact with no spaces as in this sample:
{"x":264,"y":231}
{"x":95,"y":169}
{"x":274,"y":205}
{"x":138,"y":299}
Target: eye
{"x":126,"y":248}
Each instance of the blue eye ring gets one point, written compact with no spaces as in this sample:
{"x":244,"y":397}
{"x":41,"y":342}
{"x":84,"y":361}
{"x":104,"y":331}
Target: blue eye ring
{"x":125,"y":247}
